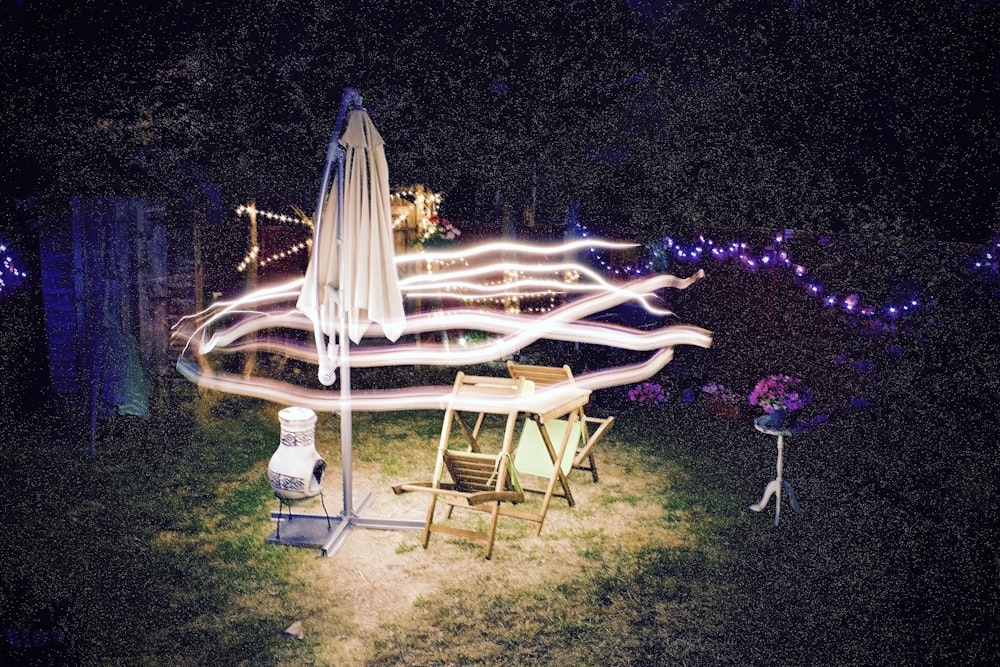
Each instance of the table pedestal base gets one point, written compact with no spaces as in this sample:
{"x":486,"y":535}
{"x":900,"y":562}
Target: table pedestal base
{"x":776,"y":485}
{"x":774,"y":488}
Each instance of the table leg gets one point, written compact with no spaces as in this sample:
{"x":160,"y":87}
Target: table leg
{"x":771,"y":489}
{"x":791,"y":496}
{"x":775,"y":486}
{"x":778,"y":470}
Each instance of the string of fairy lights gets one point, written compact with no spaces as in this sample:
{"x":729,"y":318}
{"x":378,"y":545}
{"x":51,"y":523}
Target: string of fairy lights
{"x":253,"y":255}
{"x":426,"y":201}
{"x":10,"y":275}
{"x":774,"y":256}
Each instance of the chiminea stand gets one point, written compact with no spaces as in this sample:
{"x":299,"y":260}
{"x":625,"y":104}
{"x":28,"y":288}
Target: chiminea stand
{"x":296,"y":474}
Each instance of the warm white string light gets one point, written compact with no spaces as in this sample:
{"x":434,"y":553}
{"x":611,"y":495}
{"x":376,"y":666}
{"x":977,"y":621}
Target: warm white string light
{"x":252,"y":256}
{"x":294,"y":250}
{"x":426,"y":204}
{"x":248,"y":259}
{"x":280,"y":217}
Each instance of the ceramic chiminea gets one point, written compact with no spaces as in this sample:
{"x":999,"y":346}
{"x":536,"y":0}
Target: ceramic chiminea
{"x":296,"y":469}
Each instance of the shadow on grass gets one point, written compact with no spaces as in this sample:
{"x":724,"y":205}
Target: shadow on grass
{"x":879,"y":569}
{"x":153,"y":548}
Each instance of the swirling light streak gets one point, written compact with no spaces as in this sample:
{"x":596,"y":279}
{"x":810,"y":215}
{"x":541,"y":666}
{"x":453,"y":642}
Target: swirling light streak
{"x":451,"y":281}
{"x":249,"y":303}
{"x":519,"y":335}
{"x":524,"y":287}
{"x":253,"y":302}
{"x":563,"y":323}
{"x":511,"y":246}
{"x":436,"y":354}
{"x":428,"y":397}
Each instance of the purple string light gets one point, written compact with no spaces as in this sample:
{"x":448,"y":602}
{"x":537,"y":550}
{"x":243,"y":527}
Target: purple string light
{"x":773,"y":257}
{"x":10,"y":275}
{"x":987,"y":264}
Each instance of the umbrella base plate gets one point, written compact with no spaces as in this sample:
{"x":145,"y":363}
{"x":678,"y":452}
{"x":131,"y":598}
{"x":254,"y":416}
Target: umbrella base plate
{"x":328,"y":533}
{"x":305,"y":530}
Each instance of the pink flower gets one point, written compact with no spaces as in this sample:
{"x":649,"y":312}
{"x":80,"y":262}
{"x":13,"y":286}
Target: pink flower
{"x":780,"y":392}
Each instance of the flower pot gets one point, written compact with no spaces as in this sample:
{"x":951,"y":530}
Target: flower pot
{"x":780,"y":419}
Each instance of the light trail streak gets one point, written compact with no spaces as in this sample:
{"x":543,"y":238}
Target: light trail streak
{"x":563,"y":323}
{"x":511,"y":246}
{"x":263,"y":321}
{"x":453,"y":278}
{"x":429,"y":397}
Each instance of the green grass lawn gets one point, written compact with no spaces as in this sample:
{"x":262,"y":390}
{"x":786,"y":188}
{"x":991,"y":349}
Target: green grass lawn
{"x":155,"y":549}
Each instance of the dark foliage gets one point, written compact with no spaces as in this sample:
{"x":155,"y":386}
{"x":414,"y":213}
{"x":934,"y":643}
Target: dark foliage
{"x":873,"y":116}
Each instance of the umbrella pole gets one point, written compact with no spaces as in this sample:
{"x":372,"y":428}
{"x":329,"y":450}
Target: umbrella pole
{"x":351,"y":517}
{"x":346,"y":416}
{"x":350,"y":513}
{"x":314,"y":533}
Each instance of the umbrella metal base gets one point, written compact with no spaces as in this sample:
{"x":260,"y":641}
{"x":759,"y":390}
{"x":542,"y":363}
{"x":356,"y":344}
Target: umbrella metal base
{"x":328,"y":533}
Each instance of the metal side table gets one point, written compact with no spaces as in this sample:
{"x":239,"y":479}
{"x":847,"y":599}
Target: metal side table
{"x":776,"y":485}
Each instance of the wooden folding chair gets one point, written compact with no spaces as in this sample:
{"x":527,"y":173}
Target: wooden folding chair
{"x":488,"y":482}
{"x":479,"y":481}
{"x":552,"y":375}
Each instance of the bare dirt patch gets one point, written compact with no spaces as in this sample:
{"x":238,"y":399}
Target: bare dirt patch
{"x":380,"y":578}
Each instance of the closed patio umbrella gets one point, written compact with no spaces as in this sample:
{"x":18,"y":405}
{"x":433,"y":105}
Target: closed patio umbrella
{"x":352,"y":260}
{"x":351,"y":280}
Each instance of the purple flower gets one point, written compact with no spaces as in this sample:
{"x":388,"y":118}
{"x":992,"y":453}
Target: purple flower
{"x":780,"y":392}
{"x":648,"y":392}
{"x":720,"y":392}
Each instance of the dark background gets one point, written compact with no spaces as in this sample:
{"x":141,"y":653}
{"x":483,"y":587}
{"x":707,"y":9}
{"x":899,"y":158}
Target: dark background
{"x":874,"y":116}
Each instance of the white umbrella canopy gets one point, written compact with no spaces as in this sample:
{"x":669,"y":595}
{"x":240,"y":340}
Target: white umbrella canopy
{"x":351,"y":282}
{"x":353,"y":253}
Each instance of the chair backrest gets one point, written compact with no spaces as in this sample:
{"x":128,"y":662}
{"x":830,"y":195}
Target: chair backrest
{"x":532,"y":456}
{"x":552,"y":375}
{"x":540,"y":375}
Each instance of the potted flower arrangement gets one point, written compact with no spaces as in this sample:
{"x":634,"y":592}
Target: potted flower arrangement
{"x":721,"y":400}
{"x":780,"y":396}
{"x":438,"y":233}
{"x":648,"y":392}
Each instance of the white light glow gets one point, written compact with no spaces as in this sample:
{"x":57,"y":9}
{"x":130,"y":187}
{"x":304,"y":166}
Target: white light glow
{"x":266,"y":320}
